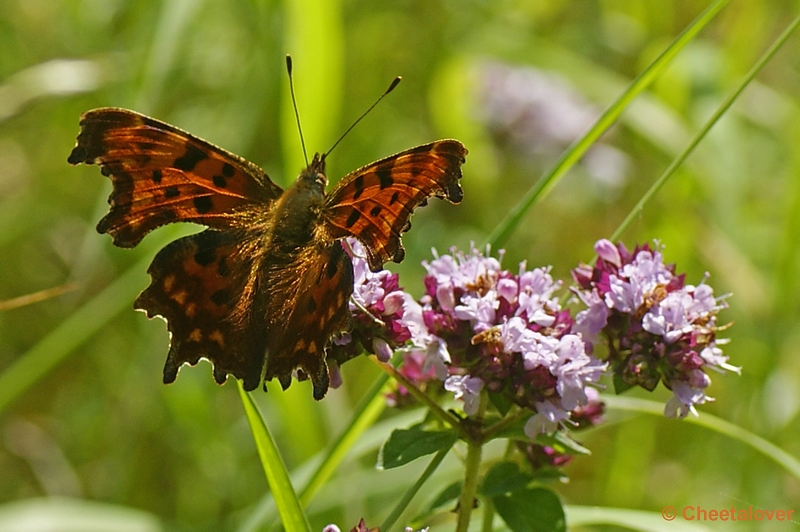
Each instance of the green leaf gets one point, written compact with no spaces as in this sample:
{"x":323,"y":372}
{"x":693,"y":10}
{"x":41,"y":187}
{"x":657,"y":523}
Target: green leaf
{"x":531,"y":510}
{"x":620,"y":386}
{"x":501,"y":402}
{"x":446,"y":496}
{"x":292,"y":515}
{"x":504,"y":478}
{"x":405,"y":445}
{"x":561,"y":442}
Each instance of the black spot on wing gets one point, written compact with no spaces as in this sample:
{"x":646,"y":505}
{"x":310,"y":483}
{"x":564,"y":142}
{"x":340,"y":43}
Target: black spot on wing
{"x":171,"y":192}
{"x":157,"y":175}
{"x":352,"y":219}
{"x":204,"y":257}
{"x":375,"y":211}
{"x":384,"y":174}
{"x":220,"y":181}
{"x":222,"y":266}
{"x":220,"y":297}
{"x":359,"y":184}
{"x":203,"y":204}
{"x":228,"y":170}
{"x":332,"y":268}
{"x":189,"y":160}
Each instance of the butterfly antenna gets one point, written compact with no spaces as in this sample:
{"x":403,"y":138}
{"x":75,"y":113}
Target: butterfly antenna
{"x":294,"y":105}
{"x":392,"y":85}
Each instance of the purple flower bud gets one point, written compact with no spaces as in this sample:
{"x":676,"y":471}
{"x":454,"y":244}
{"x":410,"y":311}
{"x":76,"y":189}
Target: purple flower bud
{"x":608,"y":252}
{"x":382,"y":349}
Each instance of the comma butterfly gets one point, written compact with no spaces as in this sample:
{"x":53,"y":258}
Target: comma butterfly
{"x":263,"y":289}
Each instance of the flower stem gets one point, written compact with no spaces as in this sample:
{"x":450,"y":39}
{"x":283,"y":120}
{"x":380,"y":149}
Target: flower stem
{"x":418,"y":394}
{"x":470,"y":487}
{"x":390,"y":521}
{"x":488,"y":516}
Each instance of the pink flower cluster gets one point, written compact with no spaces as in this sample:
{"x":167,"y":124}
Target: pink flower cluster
{"x":656,"y":327}
{"x":480,"y":327}
{"x":484,"y":332}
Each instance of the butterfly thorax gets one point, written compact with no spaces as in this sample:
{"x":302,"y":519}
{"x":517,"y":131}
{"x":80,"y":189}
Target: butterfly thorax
{"x":297,"y":212}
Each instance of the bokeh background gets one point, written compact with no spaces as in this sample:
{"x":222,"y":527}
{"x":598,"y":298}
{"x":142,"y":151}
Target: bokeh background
{"x":87,"y":430}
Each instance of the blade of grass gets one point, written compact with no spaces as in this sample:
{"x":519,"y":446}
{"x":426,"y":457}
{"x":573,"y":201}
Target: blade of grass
{"x":366,"y":412}
{"x":293,"y":517}
{"x":762,"y":61}
{"x":314,"y":37}
{"x":591,"y":516}
{"x":539,"y":189}
{"x":401,"y":505}
{"x":770,"y":450}
{"x":174,"y":23}
{"x":36,"y":297}
{"x":71,"y":333}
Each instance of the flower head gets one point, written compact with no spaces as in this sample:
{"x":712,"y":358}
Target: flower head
{"x":658,"y":328}
{"x":485,"y":328}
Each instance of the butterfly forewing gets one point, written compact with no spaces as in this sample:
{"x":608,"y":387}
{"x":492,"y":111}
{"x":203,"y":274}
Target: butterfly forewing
{"x":374,"y":203}
{"x":161,"y":174}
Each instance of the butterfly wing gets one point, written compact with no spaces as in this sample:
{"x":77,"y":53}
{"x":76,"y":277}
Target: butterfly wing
{"x":161,"y":174}
{"x":197,"y":283}
{"x":375,"y":202}
{"x":308,"y":305}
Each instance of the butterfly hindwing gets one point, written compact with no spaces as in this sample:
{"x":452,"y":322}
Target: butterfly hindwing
{"x":374,"y":203}
{"x":161,"y":174}
{"x":197,"y":282}
{"x":309,"y":305}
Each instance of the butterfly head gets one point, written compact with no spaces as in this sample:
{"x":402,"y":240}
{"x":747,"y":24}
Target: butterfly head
{"x":314,"y":176}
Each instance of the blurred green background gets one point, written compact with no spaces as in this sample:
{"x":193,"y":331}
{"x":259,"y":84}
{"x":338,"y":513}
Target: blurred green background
{"x":516,"y":81}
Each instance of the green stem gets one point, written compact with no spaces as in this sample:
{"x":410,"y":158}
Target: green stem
{"x":367,"y":411}
{"x":507,"y":421}
{"x":470,"y":487}
{"x":402,"y":504}
{"x":488,"y":516}
{"x":422,"y":397}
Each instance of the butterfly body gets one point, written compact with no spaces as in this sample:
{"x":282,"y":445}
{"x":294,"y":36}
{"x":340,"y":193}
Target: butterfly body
{"x":260,"y":292}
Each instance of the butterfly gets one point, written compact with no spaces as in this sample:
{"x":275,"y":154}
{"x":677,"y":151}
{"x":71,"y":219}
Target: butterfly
{"x":263,"y":289}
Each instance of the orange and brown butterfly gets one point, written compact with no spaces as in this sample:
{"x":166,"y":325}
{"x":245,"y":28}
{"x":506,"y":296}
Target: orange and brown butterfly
{"x":262,"y":291}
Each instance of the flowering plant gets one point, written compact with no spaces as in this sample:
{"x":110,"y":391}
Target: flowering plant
{"x":512,"y":355}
